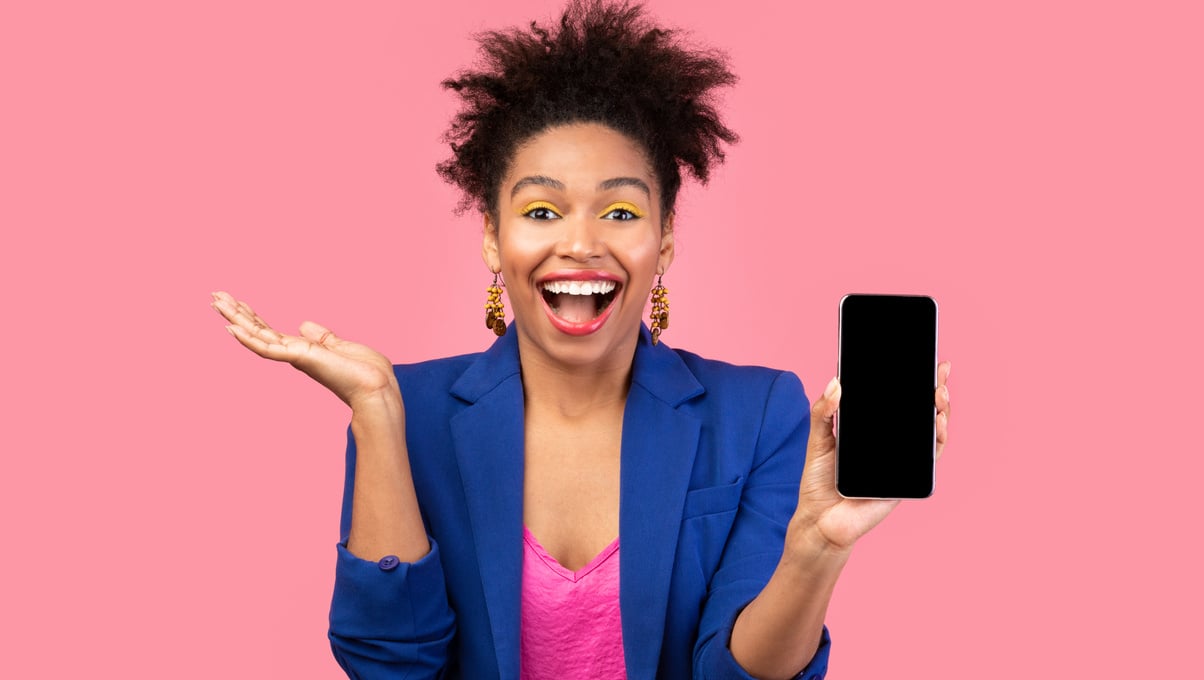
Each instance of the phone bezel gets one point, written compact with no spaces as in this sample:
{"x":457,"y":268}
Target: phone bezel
{"x":839,"y":364}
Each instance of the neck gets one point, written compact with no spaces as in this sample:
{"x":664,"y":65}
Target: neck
{"x":575,"y":391}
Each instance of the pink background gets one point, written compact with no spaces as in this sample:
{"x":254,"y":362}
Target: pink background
{"x":170,"y":503}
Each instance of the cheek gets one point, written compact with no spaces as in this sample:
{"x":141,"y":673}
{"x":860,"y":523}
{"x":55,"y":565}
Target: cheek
{"x":522,"y":248}
{"x":640,"y":254}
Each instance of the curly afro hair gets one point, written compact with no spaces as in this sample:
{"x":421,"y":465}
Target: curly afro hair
{"x":604,"y":63}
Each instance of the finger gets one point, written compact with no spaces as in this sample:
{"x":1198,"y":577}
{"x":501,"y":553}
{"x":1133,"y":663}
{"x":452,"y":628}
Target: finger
{"x":230,"y":312}
{"x":942,"y":417}
{"x":254,"y":326}
{"x":260,"y":327}
{"x":227,"y":305}
{"x":229,"y":308}
{"x":942,"y":372}
{"x":825,"y":407}
{"x":319,"y":334}
{"x":268,"y":350}
{"x":942,"y":433}
{"x":269,"y":334}
{"x":220,"y":302}
{"x":222,"y":299}
{"x":822,"y":412}
{"x":246,"y":309}
{"x":241,"y":315}
{"x":942,"y":399}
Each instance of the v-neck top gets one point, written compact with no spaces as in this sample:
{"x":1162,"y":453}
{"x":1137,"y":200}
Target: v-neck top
{"x":571,"y":629}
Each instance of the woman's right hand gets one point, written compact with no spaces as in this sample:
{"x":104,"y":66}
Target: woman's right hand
{"x":357,"y":374}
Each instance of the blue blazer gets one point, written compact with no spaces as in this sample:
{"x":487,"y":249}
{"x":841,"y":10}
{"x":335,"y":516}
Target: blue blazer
{"x":711,"y":460}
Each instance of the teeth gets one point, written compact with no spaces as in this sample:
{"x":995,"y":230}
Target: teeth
{"x":579,"y":287}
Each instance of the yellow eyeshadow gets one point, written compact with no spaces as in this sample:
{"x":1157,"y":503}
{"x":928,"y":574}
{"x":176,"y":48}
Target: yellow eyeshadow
{"x":623,"y":205}
{"x":536,"y":205}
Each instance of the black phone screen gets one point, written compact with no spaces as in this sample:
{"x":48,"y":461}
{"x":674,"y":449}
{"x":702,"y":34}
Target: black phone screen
{"x":886,"y":428}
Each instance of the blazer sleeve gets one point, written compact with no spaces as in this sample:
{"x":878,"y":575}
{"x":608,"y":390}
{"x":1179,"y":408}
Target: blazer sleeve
{"x":388,"y":621}
{"x":758,"y":533}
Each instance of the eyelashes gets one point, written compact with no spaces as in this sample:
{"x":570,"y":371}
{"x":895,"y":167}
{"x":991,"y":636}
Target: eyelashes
{"x":540,"y":210}
{"x":619,"y":210}
{"x":631,"y":209}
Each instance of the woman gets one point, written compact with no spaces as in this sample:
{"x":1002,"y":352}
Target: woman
{"x":580,"y":500}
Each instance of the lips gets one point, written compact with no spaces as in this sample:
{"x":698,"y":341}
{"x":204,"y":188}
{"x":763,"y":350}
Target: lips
{"x":578,"y":303}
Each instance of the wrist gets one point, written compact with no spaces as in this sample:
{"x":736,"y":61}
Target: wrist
{"x":806,"y":545}
{"x":380,"y":407}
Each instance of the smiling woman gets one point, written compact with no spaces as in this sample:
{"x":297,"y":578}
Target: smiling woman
{"x":579,"y":500}
{"x":579,"y":238}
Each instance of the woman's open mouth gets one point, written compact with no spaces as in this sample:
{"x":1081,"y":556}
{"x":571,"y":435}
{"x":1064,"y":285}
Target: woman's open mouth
{"x":579,"y":307}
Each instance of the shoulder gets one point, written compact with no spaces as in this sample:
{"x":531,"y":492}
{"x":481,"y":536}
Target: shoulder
{"x":722,"y":379}
{"x":750,"y":415}
{"x":434,"y":372}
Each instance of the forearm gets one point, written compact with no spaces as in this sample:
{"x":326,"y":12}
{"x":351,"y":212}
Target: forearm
{"x":777,"y":634}
{"x":385,"y":519}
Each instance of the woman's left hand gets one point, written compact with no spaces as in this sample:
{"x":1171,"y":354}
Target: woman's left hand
{"x":825,"y":519}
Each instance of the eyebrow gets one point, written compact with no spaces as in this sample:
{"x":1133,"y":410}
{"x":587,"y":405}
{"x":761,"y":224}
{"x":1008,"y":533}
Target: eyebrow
{"x":605,"y":185}
{"x":537,"y":180}
{"x":616,"y":182}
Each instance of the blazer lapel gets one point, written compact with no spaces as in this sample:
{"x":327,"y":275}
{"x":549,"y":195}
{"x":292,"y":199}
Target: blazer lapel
{"x":659,"y":445}
{"x":488,"y":441}
{"x":658,"y":448}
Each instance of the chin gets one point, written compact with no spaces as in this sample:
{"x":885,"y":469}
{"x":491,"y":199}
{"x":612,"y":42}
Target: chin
{"x":601,"y":346}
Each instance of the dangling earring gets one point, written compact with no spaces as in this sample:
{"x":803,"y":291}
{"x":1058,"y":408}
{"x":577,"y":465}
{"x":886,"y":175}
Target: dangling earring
{"x":660,"y":310}
{"x":495,"y":314}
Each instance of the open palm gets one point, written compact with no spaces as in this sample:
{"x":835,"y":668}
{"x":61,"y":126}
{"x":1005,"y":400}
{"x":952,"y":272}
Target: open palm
{"x":354,"y":372}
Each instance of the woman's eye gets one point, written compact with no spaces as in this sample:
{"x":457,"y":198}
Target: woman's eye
{"x":621,"y":214}
{"x":622,"y":211}
{"x":541,"y":214}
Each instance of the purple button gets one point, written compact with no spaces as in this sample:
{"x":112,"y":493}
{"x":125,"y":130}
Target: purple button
{"x":389,"y":562}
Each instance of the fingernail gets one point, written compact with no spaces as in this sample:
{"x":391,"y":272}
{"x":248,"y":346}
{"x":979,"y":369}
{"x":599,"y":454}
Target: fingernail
{"x":831,"y":388}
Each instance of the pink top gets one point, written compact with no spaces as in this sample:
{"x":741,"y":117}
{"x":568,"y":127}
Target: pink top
{"x":571,"y":628}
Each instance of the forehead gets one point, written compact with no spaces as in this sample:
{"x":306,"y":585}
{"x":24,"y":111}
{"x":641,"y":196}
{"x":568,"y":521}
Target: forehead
{"x":581,"y":156}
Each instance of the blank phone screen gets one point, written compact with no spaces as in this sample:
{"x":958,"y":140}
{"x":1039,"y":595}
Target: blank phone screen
{"x":886,"y":423}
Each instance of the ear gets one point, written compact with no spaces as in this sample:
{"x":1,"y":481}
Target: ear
{"x":489,"y":246}
{"x":666,"y":253}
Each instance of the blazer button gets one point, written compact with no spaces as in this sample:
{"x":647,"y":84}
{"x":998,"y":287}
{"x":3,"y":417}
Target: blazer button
{"x":389,"y":562}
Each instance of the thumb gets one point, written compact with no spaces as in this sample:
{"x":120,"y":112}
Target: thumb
{"x":318,"y":334}
{"x":824,"y":409}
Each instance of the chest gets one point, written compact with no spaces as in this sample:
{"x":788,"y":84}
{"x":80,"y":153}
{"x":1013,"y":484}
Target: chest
{"x":571,"y":484}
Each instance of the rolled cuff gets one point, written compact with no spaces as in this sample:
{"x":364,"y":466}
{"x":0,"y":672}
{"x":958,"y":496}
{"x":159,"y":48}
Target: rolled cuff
{"x":719,"y":663}
{"x":404,"y":602}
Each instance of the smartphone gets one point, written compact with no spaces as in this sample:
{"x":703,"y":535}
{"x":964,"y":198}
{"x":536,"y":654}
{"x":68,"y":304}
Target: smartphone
{"x":886,"y":423}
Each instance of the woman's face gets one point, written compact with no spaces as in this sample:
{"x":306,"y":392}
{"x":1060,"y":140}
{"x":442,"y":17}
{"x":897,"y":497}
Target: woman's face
{"x":579,"y":240}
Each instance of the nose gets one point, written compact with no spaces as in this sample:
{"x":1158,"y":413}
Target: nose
{"x":581,"y":238}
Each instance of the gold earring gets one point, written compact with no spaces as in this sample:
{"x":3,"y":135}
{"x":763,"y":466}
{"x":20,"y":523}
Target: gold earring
{"x":660,"y":310}
{"x":495,"y":313}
